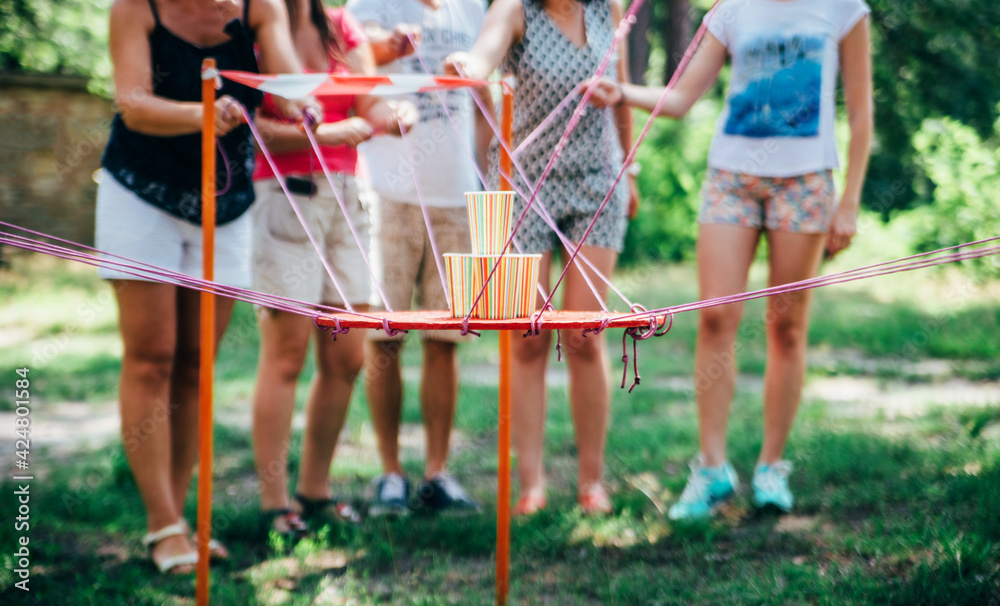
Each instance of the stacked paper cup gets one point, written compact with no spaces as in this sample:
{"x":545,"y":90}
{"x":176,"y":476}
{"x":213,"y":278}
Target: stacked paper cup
{"x":510,"y":292}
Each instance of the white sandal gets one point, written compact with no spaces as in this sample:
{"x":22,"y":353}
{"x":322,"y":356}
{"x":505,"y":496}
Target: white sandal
{"x":167,"y":564}
{"x":216,"y":550}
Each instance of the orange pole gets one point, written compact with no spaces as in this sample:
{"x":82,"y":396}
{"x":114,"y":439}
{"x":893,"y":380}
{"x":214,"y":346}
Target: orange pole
{"x":503,"y":434}
{"x":207,"y":334}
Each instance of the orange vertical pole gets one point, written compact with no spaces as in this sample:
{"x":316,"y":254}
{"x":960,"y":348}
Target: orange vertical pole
{"x":503,"y":437}
{"x":207,"y":333}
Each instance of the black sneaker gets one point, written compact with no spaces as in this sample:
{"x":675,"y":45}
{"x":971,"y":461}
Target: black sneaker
{"x":443,"y":493}
{"x":390,"y":496}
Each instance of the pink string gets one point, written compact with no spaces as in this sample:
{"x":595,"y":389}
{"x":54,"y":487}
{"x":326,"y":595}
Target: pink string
{"x":343,"y":208}
{"x":465,"y":146}
{"x":540,"y":210}
{"x":688,"y":54}
{"x":919,"y":261}
{"x":438,"y":259}
{"x":295,"y":207}
{"x":148,"y":271}
{"x":547,"y":123}
{"x":229,"y":170}
{"x":161,"y":275}
{"x":623,"y":28}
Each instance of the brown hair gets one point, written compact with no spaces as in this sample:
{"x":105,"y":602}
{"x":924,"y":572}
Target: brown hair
{"x":317,"y":15}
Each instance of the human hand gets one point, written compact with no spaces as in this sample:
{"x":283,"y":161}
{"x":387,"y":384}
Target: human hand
{"x":351,"y":131}
{"x":304,"y":111}
{"x":843,"y":226}
{"x":606,"y":93}
{"x":228,"y":115}
{"x":404,"y":115}
{"x":464,"y":65}
{"x":404,"y":39}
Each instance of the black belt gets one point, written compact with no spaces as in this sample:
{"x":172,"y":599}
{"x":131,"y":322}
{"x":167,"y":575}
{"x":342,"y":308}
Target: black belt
{"x":301,"y":186}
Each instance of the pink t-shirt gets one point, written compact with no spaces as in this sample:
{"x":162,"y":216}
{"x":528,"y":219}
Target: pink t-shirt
{"x":338,"y":158}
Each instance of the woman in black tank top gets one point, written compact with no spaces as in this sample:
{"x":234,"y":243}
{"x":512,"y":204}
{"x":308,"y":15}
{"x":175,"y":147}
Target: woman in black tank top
{"x":154,"y":153}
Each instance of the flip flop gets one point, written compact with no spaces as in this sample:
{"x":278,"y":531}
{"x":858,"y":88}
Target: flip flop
{"x":294,"y":530}
{"x":594,"y":500}
{"x":328,"y":508}
{"x":529,"y":504}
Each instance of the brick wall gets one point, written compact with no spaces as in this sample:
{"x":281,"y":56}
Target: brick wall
{"x":52,"y":134}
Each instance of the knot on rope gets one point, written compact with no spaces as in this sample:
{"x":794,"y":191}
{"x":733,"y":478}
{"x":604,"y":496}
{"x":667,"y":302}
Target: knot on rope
{"x":465,"y":328}
{"x":636,"y":337}
{"x":559,"y":345}
{"x":655,"y":329}
{"x":669,"y":325}
{"x":389,"y":330}
{"x":536,"y":317}
{"x":604,"y":324}
{"x":337,"y":329}
{"x":211,"y":73}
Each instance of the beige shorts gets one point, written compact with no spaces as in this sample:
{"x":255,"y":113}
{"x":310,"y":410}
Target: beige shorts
{"x":286,"y":263}
{"x":403,"y":260}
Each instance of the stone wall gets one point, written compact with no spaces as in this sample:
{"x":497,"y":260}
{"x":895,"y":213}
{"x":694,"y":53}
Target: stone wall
{"x":52,"y":134}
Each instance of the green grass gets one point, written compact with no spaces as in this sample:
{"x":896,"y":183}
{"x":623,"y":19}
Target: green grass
{"x":891,"y":508}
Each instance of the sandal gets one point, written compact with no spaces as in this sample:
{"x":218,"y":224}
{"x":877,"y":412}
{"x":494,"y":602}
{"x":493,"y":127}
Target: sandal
{"x":294,"y":528}
{"x":168,"y":564}
{"x":216,"y":550}
{"x":529,"y":504}
{"x":594,"y":500}
{"x":328,"y":509}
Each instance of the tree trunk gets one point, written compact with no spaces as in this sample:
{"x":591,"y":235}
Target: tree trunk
{"x":678,"y":35}
{"x":638,"y":43}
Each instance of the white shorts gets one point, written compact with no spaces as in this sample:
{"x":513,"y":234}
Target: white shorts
{"x":286,"y":263}
{"x":130,"y":227}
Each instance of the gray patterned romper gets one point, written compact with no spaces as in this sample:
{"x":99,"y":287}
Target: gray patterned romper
{"x":547,"y":66}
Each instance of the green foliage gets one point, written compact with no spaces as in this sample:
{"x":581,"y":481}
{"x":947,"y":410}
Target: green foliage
{"x":932,"y":59}
{"x":66,"y":37}
{"x":673,"y":166}
{"x":966,"y":174}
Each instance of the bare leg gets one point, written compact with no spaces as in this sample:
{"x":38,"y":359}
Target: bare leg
{"x":529,"y":357}
{"x":184,"y":383}
{"x":724,"y":256}
{"x":384,"y":387}
{"x":438,"y":392}
{"x":147,"y":320}
{"x":338,"y":364}
{"x":587,"y":362}
{"x":793,"y":257}
{"x":284,"y":338}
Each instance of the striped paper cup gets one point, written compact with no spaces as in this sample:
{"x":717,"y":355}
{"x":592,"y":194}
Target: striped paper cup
{"x":489,"y":220}
{"x":511,"y":291}
{"x":465,"y":279}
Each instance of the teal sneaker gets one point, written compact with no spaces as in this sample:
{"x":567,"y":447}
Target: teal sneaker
{"x":770,"y":486}
{"x":707,"y":488}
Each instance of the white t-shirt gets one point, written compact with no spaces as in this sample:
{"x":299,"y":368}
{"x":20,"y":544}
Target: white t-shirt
{"x":443,"y":166}
{"x":779,"y":115}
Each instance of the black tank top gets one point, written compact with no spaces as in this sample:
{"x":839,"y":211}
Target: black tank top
{"x":166,"y":171}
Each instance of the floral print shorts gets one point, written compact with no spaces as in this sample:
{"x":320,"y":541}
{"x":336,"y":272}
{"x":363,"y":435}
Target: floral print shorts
{"x":801,"y":204}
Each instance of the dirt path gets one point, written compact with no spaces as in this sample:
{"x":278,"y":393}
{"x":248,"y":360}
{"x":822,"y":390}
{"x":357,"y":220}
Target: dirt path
{"x":62,"y":428}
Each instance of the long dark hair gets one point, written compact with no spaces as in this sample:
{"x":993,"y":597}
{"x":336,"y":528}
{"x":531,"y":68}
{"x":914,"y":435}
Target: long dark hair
{"x":317,"y":15}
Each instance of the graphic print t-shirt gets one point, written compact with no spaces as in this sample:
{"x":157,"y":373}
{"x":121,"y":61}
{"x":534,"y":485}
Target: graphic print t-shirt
{"x":433,"y":149}
{"x":780,"y":111}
